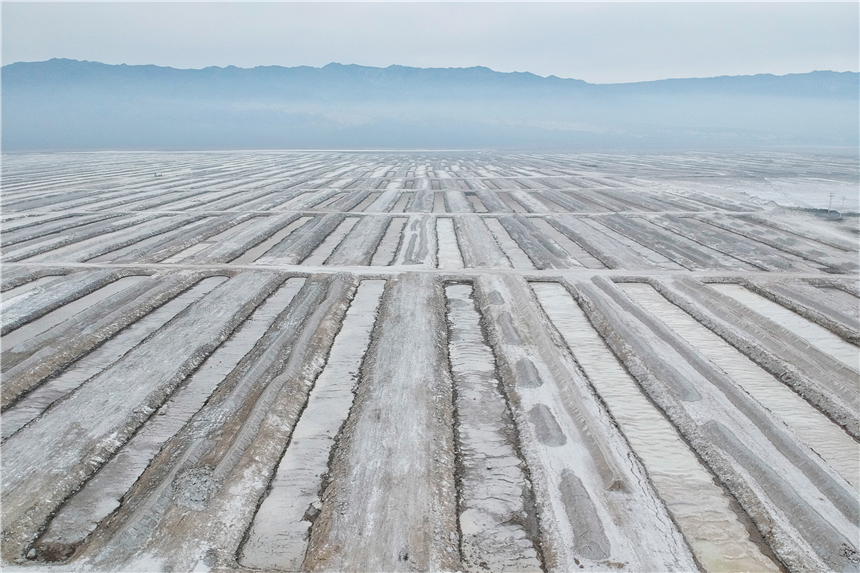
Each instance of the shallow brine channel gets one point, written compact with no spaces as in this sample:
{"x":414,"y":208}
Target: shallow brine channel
{"x":700,"y":507}
{"x":816,"y":335}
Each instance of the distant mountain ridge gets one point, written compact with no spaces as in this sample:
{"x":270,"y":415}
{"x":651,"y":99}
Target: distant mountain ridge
{"x":69,"y":104}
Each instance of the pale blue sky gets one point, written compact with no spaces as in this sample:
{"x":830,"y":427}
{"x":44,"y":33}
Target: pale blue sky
{"x":598,"y":42}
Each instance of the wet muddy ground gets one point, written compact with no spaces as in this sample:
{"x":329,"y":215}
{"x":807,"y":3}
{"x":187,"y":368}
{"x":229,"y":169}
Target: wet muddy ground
{"x":296,"y":361}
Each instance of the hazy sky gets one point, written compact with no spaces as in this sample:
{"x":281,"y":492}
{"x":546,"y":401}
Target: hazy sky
{"x":598,"y":42}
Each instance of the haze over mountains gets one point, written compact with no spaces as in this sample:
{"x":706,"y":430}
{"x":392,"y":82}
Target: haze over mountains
{"x":74,"y":105}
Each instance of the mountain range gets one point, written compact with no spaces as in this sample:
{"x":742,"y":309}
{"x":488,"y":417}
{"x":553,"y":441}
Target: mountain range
{"x":65,"y":104}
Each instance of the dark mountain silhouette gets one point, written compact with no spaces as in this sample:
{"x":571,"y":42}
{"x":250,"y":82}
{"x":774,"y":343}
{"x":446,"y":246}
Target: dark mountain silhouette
{"x":69,"y":104}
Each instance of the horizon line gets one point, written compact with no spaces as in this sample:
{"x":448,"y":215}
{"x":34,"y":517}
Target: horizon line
{"x":476,"y":67}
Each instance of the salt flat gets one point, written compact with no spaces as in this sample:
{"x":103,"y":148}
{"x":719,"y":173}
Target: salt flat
{"x":428,"y":361}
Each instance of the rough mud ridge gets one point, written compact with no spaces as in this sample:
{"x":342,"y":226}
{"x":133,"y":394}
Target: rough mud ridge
{"x":332,"y":361}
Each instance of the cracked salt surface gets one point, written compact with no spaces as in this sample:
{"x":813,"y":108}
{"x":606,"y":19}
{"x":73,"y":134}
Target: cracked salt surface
{"x":494,"y":518}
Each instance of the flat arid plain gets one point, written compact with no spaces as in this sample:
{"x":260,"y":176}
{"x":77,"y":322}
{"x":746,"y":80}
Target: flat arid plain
{"x":334,"y":361}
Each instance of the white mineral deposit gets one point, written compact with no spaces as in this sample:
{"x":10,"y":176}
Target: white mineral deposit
{"x":429,"y":361}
